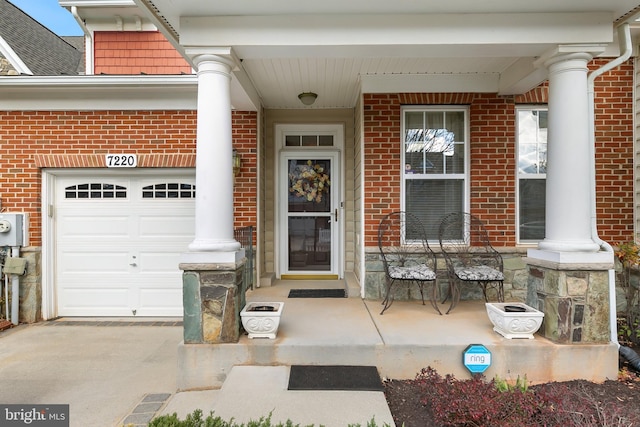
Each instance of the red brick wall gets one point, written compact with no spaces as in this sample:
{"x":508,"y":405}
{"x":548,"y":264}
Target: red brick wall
{"x":35,"y":139}
{"x":136,"y":52}
{"x":614,"y":152}
{"x":492,"y":155}
{"x":244,"y":134}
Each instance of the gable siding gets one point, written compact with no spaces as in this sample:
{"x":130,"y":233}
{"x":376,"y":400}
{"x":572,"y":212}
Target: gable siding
{"x":136,"y":52}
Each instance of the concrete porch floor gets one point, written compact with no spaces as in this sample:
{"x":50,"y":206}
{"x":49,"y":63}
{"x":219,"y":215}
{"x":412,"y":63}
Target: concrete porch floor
{"x":407,"y":338}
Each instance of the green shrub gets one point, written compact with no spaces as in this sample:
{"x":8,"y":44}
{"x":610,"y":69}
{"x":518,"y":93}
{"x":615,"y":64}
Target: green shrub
{"x":195,"y":420}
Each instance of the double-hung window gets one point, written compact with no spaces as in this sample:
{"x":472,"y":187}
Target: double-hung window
{"x":532,"y":170}
{"x":435,"y":163}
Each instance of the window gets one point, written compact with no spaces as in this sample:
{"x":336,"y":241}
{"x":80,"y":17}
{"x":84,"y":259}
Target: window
{"x":95,"y":191}
{"x":434,"y":176}
{"x":308,"y":141}
{"x":172,"y":190}
{"x":532,"y":169}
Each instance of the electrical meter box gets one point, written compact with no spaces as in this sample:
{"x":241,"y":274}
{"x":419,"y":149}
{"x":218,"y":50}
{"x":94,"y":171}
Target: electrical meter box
{"x":11,"y":229}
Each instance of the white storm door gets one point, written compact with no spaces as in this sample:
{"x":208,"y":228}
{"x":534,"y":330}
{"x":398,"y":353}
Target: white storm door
{"x":309,"y":204}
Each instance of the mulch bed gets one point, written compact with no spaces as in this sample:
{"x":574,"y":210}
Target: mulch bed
{"x":615,"y":399}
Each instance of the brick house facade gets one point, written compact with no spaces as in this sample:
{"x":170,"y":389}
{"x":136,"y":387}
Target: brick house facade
{"x":166,"y":138}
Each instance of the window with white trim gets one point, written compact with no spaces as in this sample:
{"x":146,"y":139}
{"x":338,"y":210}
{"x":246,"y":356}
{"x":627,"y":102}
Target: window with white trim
{"x":169,"y":190}
{"x":435,"y":163}
{"x":95,"y":190}
{"x":532,"y":172}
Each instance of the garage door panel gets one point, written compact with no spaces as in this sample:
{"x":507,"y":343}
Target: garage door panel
{"x":166,"y":226}
{"x":94,"y":226}
{"x":163,"y":298}
{"x":159,"y":262}
{"x":117,"y":255}
{"x":94,"y":262}
{"x":83,"y":302}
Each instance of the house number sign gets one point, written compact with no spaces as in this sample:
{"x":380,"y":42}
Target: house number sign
{"x":121,"y":160}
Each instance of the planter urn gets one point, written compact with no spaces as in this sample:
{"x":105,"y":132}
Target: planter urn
{"x":261,"y":319}
{"x":514,"y":319}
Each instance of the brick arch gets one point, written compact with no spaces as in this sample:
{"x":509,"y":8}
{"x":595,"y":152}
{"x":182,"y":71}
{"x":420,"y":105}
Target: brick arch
{"x":435,"y":98}
{"x":98,"y":160}
{"x":539,"y":95}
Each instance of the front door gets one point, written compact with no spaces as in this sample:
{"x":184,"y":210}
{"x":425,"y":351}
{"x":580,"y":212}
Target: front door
{"x":309,"y":189}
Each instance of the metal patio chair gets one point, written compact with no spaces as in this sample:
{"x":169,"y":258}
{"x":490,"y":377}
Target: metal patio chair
{"x":406,"y":256}
{"x":469,"y":256}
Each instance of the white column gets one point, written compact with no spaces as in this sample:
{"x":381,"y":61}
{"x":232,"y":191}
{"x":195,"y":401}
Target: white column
{"x":568,"y":202}
{"x":214,"y":240}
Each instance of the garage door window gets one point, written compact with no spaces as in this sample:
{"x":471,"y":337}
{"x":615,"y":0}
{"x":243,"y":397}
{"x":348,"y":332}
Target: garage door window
{"x":173,"y":190}
{"x":95,"y":191}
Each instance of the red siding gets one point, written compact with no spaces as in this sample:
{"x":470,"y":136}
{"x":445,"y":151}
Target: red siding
{"x":136,"y":52}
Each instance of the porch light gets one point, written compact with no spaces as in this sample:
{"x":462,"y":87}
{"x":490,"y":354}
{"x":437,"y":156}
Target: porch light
{"x":308,"y":98}
{"x":236,"y":162}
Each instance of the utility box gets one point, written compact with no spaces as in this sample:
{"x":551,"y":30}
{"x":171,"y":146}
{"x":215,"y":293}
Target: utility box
{"x":11,"y":229}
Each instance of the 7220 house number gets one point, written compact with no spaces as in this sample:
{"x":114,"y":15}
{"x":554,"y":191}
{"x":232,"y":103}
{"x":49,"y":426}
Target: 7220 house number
{"x":121,"y":160}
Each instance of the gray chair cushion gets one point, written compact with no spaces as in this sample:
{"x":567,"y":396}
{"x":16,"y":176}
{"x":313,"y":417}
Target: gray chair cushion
{"x":480,"y":273}
{"x":414,"y":272}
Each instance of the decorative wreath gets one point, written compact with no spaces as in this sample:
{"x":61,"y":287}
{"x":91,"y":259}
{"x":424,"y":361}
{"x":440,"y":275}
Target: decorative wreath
{"x":309,"y":181}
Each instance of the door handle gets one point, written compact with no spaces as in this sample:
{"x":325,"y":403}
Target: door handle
{"x":336,"y":213}
{"x":133,"y":264}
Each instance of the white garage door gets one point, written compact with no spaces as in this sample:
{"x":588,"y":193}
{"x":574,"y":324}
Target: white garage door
{"x":118,"y":243}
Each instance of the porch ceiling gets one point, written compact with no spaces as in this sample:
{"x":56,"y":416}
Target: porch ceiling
{"x":334,"y":49}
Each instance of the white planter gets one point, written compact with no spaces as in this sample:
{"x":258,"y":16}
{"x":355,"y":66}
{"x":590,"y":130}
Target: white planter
{"x":261,"y":319}
{"x":517,"y":324}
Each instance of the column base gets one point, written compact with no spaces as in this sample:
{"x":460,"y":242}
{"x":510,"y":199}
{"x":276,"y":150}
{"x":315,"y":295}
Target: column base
{"x":575,"y":302}
{"x":582,"y":246}
{"x":600,"y":259}
{"x":213,"y":296}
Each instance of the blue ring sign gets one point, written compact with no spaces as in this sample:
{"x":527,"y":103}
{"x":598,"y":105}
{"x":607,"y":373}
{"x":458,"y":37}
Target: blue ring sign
{"x":476,"y":358}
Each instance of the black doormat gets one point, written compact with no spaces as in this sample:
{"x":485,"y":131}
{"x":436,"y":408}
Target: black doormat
{"x":334,"y":377}
{"x":317,"y":293}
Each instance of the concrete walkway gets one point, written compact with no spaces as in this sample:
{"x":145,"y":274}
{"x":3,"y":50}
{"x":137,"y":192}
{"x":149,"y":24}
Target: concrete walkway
{"x":116,"y":372}
{"x":251,"y":392}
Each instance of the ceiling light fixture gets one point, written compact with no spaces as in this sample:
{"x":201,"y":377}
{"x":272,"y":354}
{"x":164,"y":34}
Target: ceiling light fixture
{"x":308,"y":98}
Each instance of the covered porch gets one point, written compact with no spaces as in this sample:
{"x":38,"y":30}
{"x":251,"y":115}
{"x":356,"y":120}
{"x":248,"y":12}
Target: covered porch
{"x":407,"y":338}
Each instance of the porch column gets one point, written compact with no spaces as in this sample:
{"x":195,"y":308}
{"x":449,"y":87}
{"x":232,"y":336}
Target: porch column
{"x":568,"y":272}
{"x":214,"y":173}
{"x":212,"y":279}
{"x":568,"y":202}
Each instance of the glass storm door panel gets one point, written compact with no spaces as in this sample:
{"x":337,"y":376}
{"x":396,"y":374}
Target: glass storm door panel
{"x":311,"y":213}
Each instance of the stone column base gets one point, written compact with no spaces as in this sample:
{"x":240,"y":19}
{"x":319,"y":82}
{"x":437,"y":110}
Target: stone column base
{"x":213,"y":296}
{"x":574,"y":299}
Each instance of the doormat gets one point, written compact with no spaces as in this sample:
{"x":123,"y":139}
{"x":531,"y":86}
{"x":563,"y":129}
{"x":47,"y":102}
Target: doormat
{"x":334,"y":377}
{"x":317,"y":293}
{"x":5,"y":324}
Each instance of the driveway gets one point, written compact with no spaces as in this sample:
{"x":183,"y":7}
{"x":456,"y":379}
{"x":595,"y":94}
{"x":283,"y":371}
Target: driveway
{"x":101,"y":369}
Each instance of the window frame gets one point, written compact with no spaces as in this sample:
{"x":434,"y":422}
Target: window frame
{"x":466,"y":143}
{"x":519,"y":176}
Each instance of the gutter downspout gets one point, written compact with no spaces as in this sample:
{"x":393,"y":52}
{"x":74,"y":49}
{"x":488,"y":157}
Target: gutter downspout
{"x":88,"y":44}
{"x":624,"y":40}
